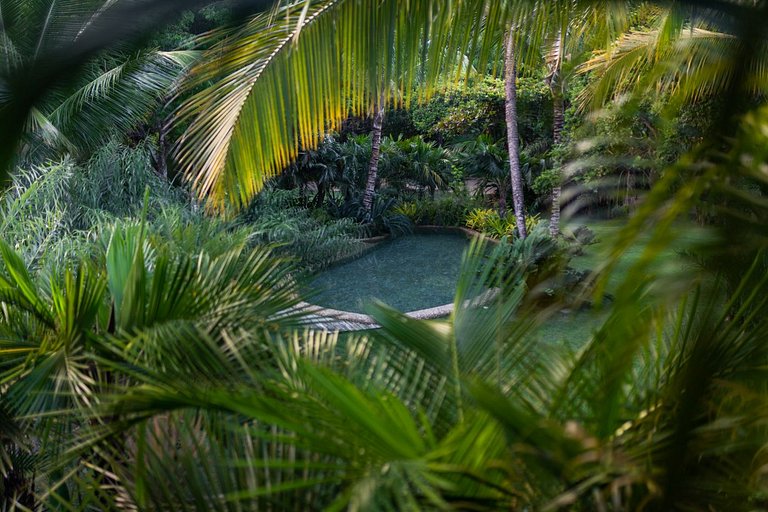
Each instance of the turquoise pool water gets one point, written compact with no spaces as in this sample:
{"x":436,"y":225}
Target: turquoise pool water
{"x":409,"y":273}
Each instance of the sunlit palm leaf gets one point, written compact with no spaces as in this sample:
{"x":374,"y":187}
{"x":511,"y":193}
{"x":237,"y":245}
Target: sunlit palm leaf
{"x":686,"y":64}
{"x":276,"y":93}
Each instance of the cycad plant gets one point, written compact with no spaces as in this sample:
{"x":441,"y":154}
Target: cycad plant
{"x":428,"y":165}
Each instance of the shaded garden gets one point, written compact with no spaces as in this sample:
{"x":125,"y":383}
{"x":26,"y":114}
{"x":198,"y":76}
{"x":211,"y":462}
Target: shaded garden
{"x":174,"y":184}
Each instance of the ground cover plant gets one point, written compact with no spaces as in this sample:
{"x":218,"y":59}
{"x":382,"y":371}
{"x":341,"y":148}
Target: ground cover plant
{"x":163,"y":205}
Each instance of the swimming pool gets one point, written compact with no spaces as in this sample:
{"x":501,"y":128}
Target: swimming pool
{"x":410,"y":273}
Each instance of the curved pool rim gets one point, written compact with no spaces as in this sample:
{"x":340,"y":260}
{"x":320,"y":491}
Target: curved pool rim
{"x":349,"y":317}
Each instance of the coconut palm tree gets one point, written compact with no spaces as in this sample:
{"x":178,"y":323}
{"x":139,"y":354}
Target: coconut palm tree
{"x":572,"y":31}
{"x":587,"y":25}
{"x":513,"y":138}
{"x":373,"y":166}
{"x":272,"y":94}
{"x":557,"y":87}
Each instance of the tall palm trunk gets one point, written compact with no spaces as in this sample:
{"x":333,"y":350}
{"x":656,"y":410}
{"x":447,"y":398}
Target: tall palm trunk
{"x":513,"y":138}
{"x":558,"y":121}
{"x":555,"y":60}
{"x":373,"y":167}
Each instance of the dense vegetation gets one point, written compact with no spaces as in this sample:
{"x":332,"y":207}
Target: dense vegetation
{"x":171,"y":183}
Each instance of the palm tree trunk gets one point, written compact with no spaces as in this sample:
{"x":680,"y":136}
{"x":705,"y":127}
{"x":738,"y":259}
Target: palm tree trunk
{"x":513,"y":138}
{"x":373,"y":167}
{"x":558,"y":121}
{"x":503,"y":201}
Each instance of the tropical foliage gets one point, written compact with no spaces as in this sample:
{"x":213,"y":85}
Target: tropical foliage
{"x":344,"y":67}
{"x":489,"y":222}
{"x":74,"y":70}
{"x":314,"y":239}
{"x":154,"y":356}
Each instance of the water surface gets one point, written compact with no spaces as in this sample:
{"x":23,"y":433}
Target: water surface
{"x":409,"y":273}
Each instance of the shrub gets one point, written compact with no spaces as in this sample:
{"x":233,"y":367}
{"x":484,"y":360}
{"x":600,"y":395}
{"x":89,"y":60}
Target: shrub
{"x":477,"y":219}
{"x":188,"y":232}
{"x":544,"y":261}
{"x":546,"y":181}
{"x":584,"y":235}
{"x":36,"y":209}
{"x":451,"y":211}
{"x":114,"y":181}
{"x":478,"y":108}
{"x":408,"y":209}
{"x":490,"y":223}
{"x":447,"y":211}
{"x":383,"y":217}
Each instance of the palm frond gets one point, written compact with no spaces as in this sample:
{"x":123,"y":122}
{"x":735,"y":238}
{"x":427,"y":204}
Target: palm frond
{"x":686,"y":65}
{"x":116,"y":99}
{"x":48,"y":42}
{"x":286,"y":78}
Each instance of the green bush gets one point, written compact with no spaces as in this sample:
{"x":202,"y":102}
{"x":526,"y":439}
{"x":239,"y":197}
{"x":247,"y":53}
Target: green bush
{"x":57,"y":214}
{"x":408,"y":209}
{"x":489,"y":222}
{"x":447,"y":211}
{"x":114,"y":181}
{"x":546,"y":181}
{"x":466,"y":112}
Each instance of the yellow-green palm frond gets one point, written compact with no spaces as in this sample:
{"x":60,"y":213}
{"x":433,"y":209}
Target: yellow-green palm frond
{"x":685,"y":63}
{"x":554,"y":32}
{"x":277,"y":83}
{"x":275,"y":91}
